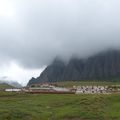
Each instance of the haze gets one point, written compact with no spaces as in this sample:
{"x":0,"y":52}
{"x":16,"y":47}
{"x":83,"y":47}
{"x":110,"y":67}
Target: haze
{"x":34,"y":32}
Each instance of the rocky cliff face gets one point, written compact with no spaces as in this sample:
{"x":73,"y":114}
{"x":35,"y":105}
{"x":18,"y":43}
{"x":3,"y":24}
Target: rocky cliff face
{"x":103,"y":66}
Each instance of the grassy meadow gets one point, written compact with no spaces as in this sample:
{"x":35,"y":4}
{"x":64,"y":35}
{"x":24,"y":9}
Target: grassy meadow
{"x":15,"y":106}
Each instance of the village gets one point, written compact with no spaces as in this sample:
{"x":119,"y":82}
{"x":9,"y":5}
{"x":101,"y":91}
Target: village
{"x":49,"y":88}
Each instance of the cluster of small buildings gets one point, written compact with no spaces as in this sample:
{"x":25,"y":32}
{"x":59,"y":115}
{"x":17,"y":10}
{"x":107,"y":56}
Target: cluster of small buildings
{"x":48,"y":88}
{"x":55,"y":89}
{"x":91,"y":89}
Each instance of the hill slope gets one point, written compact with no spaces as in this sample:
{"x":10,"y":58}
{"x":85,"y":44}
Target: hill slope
{"x":102,"y":66}
{"x":5,"y":86}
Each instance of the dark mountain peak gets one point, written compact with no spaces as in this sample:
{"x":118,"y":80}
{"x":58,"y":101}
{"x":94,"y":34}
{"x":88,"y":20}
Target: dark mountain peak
{"x":32,"y":81}
{"x":58,"y":61}
{"x":32,"y":78}
{"x":52,"y":72}
{"x":104,"y":65}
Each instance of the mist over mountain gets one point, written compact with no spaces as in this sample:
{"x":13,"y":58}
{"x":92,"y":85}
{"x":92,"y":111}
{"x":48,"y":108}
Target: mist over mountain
{"x":12,"y":83}
{"x":40,"y":30}
{"x":104,"y":66}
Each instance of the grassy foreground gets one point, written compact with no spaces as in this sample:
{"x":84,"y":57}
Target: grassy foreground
{"x":59,"y":107}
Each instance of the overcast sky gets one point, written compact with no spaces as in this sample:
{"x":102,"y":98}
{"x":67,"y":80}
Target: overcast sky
{"x":34,"y":32}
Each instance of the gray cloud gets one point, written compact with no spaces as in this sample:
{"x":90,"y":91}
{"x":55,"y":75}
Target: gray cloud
{"x":43,"y":29}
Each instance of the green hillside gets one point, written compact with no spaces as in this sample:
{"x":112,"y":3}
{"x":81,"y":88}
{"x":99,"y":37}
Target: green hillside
{"x":4,"y":86}
{"x":85,"y":83}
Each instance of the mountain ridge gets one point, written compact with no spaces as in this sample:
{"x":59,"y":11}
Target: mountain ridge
{"x":102,"y":66}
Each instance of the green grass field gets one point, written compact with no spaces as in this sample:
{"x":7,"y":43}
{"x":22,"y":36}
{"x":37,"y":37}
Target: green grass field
{"x":15,"y":106}
{"x":86,"y":83}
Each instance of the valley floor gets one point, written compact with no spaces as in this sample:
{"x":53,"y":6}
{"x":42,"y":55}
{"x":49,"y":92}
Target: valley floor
{"x":15,"y":106}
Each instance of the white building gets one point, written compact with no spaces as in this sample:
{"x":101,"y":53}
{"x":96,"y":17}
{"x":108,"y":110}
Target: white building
{"x":13,"y":90}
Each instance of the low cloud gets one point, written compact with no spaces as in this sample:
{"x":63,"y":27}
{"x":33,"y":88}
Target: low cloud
{"x":40,"y":30}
